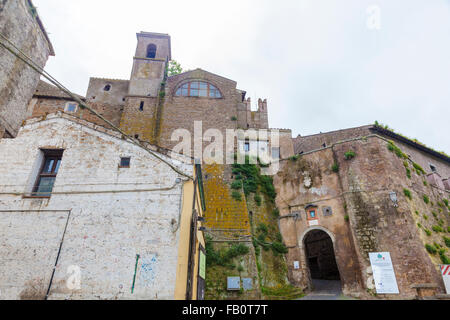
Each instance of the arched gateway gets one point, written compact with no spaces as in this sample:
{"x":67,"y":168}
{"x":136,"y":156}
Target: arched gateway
{"x":317,"y":245}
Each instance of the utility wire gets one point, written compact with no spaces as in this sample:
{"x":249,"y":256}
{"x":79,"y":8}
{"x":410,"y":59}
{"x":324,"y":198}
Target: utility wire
{"x":27,"y":60}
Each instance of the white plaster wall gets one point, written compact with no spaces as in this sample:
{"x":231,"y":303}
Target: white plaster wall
{"x":108,"y":226}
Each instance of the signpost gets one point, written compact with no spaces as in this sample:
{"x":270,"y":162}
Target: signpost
{"x":383,"y":273}
{"x":445,"y":271}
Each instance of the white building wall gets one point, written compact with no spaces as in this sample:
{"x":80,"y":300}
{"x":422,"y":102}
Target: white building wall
{"x":110,"y":221}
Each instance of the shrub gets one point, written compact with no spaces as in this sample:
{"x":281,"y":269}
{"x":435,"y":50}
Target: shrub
{"x":279,"y":247}
{"x":407,"y":193}
{"x":294,"y":158}
{"x":335,"y":167}
{"x":419,"y":225}
{"x":444,"y":258}
{"x":392,"y":147}
{"x":240,"y":268}
{"x":447,"y":241}
{"x":445,"y":201}
{"x":428,"y":232}
{"x":440,"y":204}
{"x":346,"y":218}
{"x":418,"y":168}
{"x":434,"y":214}
{"x":425,"y":183}
{"x":233,"y":118}
{"x":431,"y":249}
{"x":408,"y":173}
{"x":258,"y":199}
{"x":236,"y":185}
{"x":417,"y":212}
{"x":425,"y":217}
{"x":405,"y":163}
{"x":236,"y":195}
{"x":262,"y":227}
{"x":426,"y":199}
{"x":437,"y":229}
{"x":276,"y":212}
{"x":349,"y":155}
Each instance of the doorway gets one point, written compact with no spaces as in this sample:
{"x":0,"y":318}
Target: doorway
{"x":320,"y":257}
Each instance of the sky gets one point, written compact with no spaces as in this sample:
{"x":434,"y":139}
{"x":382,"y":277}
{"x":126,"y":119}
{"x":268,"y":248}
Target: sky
{"x":322,"y":65}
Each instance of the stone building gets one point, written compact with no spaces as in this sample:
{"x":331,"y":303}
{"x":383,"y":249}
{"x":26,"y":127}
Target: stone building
{"x":339,"y":195}
{"x":20,"y":23}
{"x":86,"y":214}
{"x":351,"y":192}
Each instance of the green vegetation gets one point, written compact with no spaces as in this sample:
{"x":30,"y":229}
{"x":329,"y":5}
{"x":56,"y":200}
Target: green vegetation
{"x":448,"y":229}
{"x":174,"y":68}
{"x":434,"y":214}
{"x":233,"y":118}
{"x":426,"y":199}
{"x":236,"y":185}
{"x":408,"y":173}
{"x":407,"y":193}
{"x":431,"y":249}
{"x":418,"y":168}
{"x":419,"y":225}
{"x":335,"y":167}
{"x":258,"y":200}
{"x":288,"y":292}
{"x":444,"y":258}
{"x":437,"y":229}
{"x":236,"y":195}
{"x":294,"y":158}
{"x":223,"y":257}
{"x":445,"y":201}
{"x":425,"y":217}
{"x":428,"y":232}
{"x":425,"y":183}
{"x":252,"y":179}
{"x":346,"y":218}
{"x":276,"y":212}
{"x":399,"y":153}
{"x":446,"y":241}
{"x":349,"y":155}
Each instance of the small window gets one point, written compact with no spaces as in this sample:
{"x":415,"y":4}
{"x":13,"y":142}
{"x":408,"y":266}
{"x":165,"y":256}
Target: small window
{"x":47,"y":174}
{"x":276,"y":153}
{"x":136,"y":136}
{"x":141,"y":106}
{"x":107,"y":87}
{"x":151,"y":51}
{"x":71,"y":107}
{"x":247,"y":146}
{"x":125,"y":162}
{"x":433,"y":168}
{"x":312,"y":214}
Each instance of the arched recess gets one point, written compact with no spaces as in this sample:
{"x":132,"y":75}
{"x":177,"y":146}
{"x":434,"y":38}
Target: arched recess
{"x":151,"y":51}
{"x":318,"y":247}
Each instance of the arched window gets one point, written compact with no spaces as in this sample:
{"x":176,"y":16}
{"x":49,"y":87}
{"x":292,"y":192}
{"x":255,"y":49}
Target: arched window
{"x":198,"y":89}
{"x":151,"y":51}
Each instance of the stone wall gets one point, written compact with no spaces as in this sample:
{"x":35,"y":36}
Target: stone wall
{"x":363,"y":218}
{"x":112,"y":215}
{"x":17,"y":80}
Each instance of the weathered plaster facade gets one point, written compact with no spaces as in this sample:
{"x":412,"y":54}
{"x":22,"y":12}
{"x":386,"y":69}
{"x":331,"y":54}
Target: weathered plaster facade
{"x":100,"y":215}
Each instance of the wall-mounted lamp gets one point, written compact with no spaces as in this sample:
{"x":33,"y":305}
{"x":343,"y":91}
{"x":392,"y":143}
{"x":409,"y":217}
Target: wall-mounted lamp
{"x":394,"y":199}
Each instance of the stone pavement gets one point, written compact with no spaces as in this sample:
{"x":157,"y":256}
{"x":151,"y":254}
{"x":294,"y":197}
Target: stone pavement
{"x":326,"y":290}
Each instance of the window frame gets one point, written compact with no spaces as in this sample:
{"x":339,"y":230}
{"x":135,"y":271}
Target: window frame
{"x":129,"y":163}
{"x":49,"y":154}
{"x":198,"y":88}
{"x":66,"y":107}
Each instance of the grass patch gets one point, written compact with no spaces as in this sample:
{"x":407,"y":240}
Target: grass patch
{"x":418,"y":168}
{"x":349,"y":155}
{"x":236,"y":195}
{"x":407,"y":193}
{"x":431,"y":249}
{"x":437,"y":229}
{"x":335,"y":167}
{"x":426,"y":199}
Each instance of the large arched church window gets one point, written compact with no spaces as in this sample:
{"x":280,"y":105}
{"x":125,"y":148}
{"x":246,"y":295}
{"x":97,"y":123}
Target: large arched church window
{"x":151,"y":51}
{"x":198,"y":89}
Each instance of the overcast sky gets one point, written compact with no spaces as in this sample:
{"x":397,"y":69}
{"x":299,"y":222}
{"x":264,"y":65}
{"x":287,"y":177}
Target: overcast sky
{"x":322,"y":65}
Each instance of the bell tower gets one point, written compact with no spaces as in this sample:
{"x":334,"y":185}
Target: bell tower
{"x":152,"y":55}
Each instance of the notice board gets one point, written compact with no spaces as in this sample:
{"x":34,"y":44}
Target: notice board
{"x":383,"y":273}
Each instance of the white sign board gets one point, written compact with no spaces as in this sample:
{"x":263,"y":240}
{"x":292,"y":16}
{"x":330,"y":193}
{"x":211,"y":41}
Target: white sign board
{"x":313,"y":222}
{"x":383,"y":273}
{"x":445,"y":271}
{"x":296,"y":265}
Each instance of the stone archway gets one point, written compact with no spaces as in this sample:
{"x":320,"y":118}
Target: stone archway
{"x":317,"y":244}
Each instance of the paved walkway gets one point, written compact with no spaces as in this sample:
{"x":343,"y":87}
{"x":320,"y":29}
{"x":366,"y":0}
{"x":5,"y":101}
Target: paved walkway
{"x":326,"y":290}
